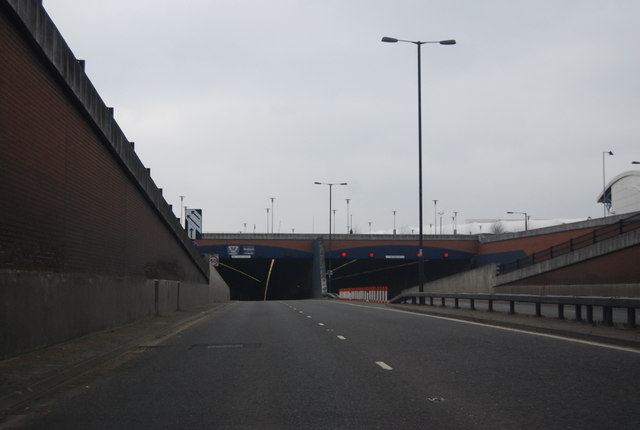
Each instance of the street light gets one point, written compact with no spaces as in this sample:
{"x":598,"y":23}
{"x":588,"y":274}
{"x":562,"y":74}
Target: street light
{"x":604,"y":200}
{"x":526,"y":218}
{"x":272,"y":213}
{"x":394,"y":222}
{"x":420,"y":246}
{"x":330,"y":184}
{"x":181,"y":209}
{"x":348,"y":225}
{"x":435,"y":216}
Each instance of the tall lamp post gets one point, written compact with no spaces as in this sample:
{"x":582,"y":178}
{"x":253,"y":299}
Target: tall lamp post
{"x":348,"y":225}
{"x":181,"y":210}
{"x":526,"y":218}
{"x":272,"y":213}
{"x":394,"y":222}
{"x":330,"y":184}
{"x":604,"y":200}
{"x":420,"y":246}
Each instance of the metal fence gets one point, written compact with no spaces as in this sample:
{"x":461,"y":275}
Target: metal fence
{"x":598,"y":235}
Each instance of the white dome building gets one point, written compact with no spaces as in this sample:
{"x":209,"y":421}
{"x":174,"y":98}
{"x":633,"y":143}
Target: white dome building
{"x":622,"y":193}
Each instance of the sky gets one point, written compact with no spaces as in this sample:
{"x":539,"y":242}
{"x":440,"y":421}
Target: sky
{"x":233,"y":102}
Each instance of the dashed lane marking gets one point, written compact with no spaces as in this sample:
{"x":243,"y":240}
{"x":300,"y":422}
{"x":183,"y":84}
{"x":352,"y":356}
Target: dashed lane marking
{"x":384,"y":365}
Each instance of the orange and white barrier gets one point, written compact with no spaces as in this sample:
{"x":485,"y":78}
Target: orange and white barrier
{"x":365,"y":294}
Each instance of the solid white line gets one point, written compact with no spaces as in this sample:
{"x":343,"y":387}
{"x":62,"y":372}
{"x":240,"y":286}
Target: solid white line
{"x":342,"y":337}
{"x":552,"y":336}
{"x":384,"y":365}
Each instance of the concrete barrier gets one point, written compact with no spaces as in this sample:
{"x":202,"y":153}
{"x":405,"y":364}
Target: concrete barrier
{"x":40,"y":309}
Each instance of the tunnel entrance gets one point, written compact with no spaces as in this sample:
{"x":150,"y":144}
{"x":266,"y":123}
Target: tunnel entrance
{"x":247,"y":278}
{"x":291,"y":278}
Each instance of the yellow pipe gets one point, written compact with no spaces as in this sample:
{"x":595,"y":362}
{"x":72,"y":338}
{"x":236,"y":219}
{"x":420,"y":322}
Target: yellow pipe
{"x":266,"y":287}
{"x":239,"y":271}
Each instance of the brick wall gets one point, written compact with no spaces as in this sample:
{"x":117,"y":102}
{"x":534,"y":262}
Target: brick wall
{"x":69,"y":201}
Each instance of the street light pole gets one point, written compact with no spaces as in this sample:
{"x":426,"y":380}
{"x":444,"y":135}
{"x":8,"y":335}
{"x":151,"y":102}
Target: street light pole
{"x":394,"y":222}
{"x":330,"y":184}
{"x":604,"y":200}
{"x":420,"y":245}
{"x":272,"y":213}
{"x":181,"y":210}
{"x":348,"y":226}
{"x":435,"y":216}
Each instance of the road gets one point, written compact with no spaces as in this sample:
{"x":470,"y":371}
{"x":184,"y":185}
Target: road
{"x":324,"y":364}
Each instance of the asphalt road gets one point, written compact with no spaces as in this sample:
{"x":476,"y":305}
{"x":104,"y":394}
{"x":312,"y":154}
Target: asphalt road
{"x":321,"y":364}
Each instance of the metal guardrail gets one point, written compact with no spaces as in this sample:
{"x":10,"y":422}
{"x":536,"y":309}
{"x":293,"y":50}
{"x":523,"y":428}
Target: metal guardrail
{"x":589,"y":302}
{"x":598,"y":235}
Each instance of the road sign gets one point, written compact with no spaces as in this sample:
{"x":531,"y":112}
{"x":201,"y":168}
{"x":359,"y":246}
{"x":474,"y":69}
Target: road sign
{"x":215,"y":260}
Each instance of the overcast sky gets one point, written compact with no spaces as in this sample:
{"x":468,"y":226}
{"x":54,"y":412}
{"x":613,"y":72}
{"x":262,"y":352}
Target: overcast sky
{"x":233,"y":102}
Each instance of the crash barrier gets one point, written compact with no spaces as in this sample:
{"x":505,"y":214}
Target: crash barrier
{"x":365,"y":294}
{"x":607,"y":304}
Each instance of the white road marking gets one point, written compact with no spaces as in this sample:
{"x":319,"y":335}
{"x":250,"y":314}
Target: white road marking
{"x":384,"y":365}
{"x":320,"y":323}
{"x":308,"y":316}
{"x":533,"y":333}
{"x":342,"y":337}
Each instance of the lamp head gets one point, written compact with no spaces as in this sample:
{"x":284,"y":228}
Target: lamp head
{"x":389,"y":40}
{"x":447,"y":42}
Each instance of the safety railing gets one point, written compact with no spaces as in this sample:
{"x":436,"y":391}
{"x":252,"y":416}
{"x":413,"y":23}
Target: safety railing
{"x":364,"y":294}
{"x":607,"y":304}
{"x":598,"y":235}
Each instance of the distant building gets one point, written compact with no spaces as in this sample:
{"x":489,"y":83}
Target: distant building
{"x":622,"y":193}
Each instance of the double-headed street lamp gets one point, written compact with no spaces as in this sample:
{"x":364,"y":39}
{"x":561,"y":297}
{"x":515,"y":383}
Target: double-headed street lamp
{"x":330,"y":184}
{"x":420,"y":246}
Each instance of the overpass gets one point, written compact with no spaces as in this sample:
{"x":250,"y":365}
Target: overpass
{"x":301,"y":261}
